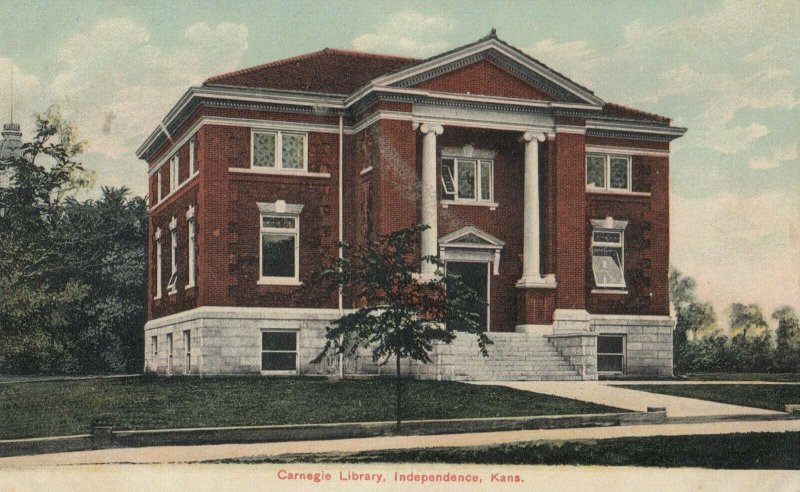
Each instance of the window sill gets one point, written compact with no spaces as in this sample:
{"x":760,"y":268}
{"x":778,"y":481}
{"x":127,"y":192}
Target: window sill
{"x":489,"y":205}
{"x":190,"y":286}
{"x":280,"y":281}
{"x":610,"y":292}
{"x":172,"y":292}
{"x":601,"y":191}
{"x":279,"y":373}
{"x":277,"y":172}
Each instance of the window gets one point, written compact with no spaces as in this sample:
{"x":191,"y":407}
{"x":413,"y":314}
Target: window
{"x":279,"y":151}
{"x":158,"y":263}
{"x":279,"y":351}
{"x":187,"y":352}
{"x":468,"y":180}
{"x":606,"y":172}
{"x":608,"y":253}
{"x":172,"y":285}
{"x":280,"y":235}
{"x":154,"y":351}
{"x":173,"y":173}
{"x":192,"y":241}
{"x":158,"y":185}
{"x":611,"y":353}
{"x":192,"y":163}
{"x":169,"y":353}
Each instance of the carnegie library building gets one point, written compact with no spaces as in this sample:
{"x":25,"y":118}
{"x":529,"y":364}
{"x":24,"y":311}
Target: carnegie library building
{"x":550,"y":202}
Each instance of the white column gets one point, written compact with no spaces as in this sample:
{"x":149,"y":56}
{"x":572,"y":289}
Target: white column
{"x":531,"y":271}
{"x":428,"y":196}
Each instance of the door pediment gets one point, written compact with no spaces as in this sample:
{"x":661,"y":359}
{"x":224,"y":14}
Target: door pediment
{"x":471,"y":244}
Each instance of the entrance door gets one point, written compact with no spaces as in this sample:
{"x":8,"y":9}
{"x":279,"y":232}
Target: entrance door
{"x":476,"y":277}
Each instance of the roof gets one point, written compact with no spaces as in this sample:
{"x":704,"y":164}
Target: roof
{"x":619,"y":111}
{"x":328,"y":71}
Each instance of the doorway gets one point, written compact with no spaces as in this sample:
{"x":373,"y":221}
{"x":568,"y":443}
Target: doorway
{"x":474,"y":275}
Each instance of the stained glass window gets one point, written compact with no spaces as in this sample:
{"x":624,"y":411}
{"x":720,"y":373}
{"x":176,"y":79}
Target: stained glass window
{"x":618,"y":175}
{"x":466,"y":179}
{"x":292,"y":150}
{"x":596,"y":171}
{"x":264,"y":149}
{"x":486,"y":180}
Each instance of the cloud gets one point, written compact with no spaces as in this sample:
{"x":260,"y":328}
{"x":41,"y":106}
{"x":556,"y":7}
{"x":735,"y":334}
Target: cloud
{"x":778,"y":157}
{"x":710,"y":68}
{"x":116,"y":83}
{"x":407,"y":33}
{"x":739,"y":249}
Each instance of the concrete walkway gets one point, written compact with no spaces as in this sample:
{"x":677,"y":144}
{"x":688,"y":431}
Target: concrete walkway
{"x":186,"y":454}
{"x":603,"y":393}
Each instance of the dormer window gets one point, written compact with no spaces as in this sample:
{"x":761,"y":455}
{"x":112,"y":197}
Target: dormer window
{"x":279,"y":150}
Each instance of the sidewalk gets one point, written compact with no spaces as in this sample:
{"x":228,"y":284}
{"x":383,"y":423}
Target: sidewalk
{"x":186,"y":454}
{"x":603,"y":393}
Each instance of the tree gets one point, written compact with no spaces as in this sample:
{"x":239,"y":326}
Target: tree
{"x":787,"y":353}
{"x":401,"y":315}
{"x":36,"y":297}
{"x":72,"y":273}
{"x":692,"y":316}
{"x":746,"y":319}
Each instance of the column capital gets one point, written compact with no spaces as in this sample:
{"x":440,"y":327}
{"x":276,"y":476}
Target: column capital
{"x":531,"y":136}
{"x":429,"y":127}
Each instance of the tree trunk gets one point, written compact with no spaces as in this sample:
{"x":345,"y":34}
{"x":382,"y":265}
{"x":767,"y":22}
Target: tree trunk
{"x":397,"y":392}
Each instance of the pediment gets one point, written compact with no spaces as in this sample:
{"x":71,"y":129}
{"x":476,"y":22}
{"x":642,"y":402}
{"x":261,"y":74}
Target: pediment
{"x":493,"y":68}
{"x":470,"y":236}
{"x":486,"y":79}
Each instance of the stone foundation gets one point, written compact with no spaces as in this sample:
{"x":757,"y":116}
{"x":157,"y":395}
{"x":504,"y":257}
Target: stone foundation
{"x":227,"y":341}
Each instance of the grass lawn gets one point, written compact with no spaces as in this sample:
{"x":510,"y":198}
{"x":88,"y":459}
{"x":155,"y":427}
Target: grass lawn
{"x":769,"y":396}
{"x":728,"y":451}
{"x":68,"y":407}
{"x":791,"y":377}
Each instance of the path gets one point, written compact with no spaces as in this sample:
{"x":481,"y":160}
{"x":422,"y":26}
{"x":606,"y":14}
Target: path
{"x":603,"y":393}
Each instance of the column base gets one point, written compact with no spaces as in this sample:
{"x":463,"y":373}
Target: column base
{"x":537,"y":281}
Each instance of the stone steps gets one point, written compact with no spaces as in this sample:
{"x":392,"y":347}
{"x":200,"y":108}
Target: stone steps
{"x":512,"y":357}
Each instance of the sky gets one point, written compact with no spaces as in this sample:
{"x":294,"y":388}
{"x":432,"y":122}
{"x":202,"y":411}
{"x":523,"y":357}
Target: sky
{"x":727,"y":70}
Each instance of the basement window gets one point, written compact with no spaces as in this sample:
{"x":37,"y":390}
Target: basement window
{"x":611,"y":354}
{"x":279,"y":351}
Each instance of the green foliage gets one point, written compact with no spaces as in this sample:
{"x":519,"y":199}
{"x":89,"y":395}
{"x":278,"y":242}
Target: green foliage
{"x":692,"y":316}
{"x":746,"y":319}
{"x":787,"y":353}
{"x":401,"y":316}
{"x":72,"y":274}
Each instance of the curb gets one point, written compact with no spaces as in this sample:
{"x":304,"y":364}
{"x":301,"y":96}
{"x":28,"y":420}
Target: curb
{"x":105,"y":437}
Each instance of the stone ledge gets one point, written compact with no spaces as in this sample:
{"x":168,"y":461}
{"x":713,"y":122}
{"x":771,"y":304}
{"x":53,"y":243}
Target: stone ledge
{"x":286,"y":433}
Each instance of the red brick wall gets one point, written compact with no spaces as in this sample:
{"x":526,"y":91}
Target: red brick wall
{"x":505,"y":223}
{"x":184,"y":299}
{"x":486,"y":78}
{"x":646,"y":241}
{"x":570,"y":217}
{"x":397,"y":190}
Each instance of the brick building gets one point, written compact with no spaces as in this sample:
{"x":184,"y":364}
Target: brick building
{"x":552,"y":203}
